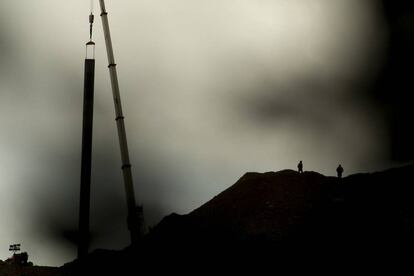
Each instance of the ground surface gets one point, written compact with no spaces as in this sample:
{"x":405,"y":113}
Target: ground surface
{"x":268,"y":220}
{"x":13,"y":270}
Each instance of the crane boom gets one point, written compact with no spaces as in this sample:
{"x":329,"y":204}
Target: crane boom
{"x":132,"y":220}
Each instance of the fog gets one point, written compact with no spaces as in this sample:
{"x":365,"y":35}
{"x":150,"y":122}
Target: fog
{"x":210,"y":90}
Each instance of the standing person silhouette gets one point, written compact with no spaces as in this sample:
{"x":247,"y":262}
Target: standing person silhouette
{"x":339,"y":171}
{"x":300,"y":167}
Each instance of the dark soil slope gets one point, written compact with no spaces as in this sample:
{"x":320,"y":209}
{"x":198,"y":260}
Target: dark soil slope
{"x":288,"y":208}
{"x":285,"y":213}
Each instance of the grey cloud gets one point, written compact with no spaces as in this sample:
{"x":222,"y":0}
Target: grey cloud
{"x":210,"y":90}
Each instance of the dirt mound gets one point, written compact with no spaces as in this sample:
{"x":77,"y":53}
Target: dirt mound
{"x":291,"y":215}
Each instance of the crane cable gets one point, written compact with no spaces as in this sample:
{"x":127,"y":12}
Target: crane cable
{"x":91,"y":19}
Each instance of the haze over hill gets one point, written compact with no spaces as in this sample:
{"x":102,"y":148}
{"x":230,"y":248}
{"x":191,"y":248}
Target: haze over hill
{"x":210,"y":89}
{"x":268,"y":216}
{"x":289,"y":207}
{"x":283,"y":211}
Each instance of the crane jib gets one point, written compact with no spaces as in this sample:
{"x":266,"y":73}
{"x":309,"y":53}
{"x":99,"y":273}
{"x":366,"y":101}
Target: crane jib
{"x":132,"y":220}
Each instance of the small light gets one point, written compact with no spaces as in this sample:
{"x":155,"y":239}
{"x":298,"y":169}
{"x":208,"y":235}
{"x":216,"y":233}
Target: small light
{"x":90,"y":50}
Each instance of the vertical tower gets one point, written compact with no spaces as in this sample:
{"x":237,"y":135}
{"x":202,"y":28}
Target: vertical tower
{"x":88,"y":98}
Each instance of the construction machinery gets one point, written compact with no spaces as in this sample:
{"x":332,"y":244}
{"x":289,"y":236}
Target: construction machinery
{"x":17,"y":258}
{"x":133,"y":223}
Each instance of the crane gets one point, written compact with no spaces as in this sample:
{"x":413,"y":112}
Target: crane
{"x":133,"y":221}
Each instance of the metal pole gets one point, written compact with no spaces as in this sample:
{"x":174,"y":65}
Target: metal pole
{"x":132,"y":220}
{"x":85,"y":188}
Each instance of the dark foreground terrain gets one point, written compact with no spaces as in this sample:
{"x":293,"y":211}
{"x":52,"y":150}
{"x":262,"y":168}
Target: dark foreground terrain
{"x":13,"y":270}
{"x":271,"y":219}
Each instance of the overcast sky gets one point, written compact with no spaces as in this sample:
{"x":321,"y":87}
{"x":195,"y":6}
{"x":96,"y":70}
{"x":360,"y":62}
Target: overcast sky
{"x":210,"y":89}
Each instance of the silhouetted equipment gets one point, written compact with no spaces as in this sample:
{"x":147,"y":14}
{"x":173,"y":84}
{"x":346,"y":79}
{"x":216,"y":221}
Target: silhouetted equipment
{"x":14,"y":248}
{"x":339,"y":171}
{"x":91,"y":18}
{"x":300,"y":167}
{"x":87,"y":126}
{"x":17,"y":258}
{"x":135,"y":214}
{"x":132,"y":220}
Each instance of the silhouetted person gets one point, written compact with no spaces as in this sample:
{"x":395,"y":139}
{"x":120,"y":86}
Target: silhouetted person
{"x":300,"y":167}
{"x":339,"y":171}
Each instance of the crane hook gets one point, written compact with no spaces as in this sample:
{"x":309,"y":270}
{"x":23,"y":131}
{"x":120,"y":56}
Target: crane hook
{"x":91,"y":18}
